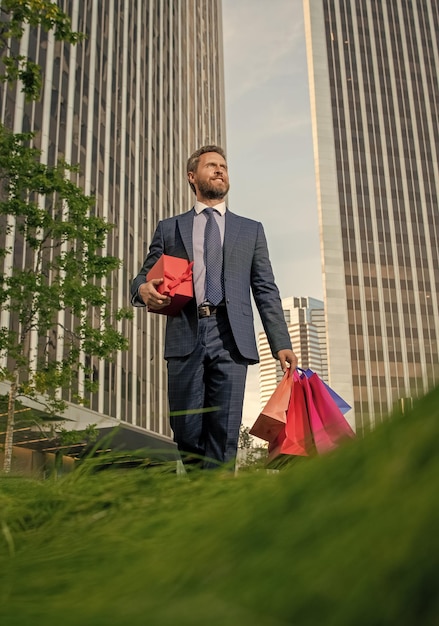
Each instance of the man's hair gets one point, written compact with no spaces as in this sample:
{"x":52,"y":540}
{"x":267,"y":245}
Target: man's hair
{"x":192,"y":162}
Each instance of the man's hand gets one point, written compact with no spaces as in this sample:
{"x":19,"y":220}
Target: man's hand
{"x":288,"y":360}
{"x":151,"y":297}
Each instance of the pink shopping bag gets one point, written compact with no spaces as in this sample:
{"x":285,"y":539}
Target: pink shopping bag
{"x":322,"y":440}
{"x":333,"y":419}
{"x":339,"y":401}
{"x":328,"y":425}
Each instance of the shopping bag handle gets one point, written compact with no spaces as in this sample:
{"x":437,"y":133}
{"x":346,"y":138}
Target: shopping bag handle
{"x":304,"y":372}
{"x":289,"y":372}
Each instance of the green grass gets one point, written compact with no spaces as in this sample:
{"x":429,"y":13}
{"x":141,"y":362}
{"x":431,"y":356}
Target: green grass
{"x":346,"y":539}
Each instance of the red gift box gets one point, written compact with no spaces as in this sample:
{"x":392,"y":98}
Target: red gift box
{"x":177,"y":282}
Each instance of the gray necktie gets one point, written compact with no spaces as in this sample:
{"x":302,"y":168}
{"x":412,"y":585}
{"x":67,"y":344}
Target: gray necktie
{"x":213,"y":259}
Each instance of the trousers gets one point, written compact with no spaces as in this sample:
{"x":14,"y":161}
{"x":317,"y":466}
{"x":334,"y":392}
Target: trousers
{"x":206,"y":394}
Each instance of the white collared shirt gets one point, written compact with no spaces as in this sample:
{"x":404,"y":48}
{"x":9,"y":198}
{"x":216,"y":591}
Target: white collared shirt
{"x":199,"y":269}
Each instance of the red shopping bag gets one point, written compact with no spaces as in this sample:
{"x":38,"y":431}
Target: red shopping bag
{"x":272,"y":418}
{"x":295,"y":438}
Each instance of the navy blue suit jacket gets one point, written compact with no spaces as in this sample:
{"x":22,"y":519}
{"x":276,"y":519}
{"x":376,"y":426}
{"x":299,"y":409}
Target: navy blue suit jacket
{"x":247,"y":268}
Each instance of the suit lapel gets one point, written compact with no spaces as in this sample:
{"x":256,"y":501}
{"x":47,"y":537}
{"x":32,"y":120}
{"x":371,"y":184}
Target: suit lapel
{"x":185,"y":223}
{"x":233,"y":224}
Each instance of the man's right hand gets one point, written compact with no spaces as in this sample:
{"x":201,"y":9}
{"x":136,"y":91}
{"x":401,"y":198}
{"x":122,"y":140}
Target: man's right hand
{"x":151,"y":297}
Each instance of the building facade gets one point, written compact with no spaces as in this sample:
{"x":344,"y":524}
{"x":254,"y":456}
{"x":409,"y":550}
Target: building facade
{"x":373,"y":72}
{"x":305,"y":318}
{"x":129,"y":104}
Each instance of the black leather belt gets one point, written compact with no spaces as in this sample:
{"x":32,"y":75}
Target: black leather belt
{"x":206,"y":309}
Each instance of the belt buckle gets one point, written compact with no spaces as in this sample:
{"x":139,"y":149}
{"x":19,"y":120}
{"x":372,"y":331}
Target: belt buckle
{"x":204,"y":310}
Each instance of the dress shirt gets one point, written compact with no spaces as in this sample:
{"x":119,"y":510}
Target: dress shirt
{"x":199,"y":269}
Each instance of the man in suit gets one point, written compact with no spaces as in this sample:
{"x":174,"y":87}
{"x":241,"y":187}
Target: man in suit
{"x":210,"y":343}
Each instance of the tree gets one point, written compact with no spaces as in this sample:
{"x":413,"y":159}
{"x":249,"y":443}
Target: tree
{"x":250,"y":454}
{"x":66,"y":268}
{"x":15,"y":14}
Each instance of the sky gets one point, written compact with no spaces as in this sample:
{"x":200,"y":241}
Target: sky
{"x":269,"y":145}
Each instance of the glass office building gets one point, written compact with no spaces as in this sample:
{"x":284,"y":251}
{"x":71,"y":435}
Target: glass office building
{"x":305,"y":318}
{"x":373,"y":72}
{"x":129,"y":104}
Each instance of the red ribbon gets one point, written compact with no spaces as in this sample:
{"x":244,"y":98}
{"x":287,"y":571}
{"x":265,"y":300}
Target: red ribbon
{"x":174,"y":281}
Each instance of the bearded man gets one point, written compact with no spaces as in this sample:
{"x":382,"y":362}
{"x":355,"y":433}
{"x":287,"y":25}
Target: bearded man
{"x":211,"y":341}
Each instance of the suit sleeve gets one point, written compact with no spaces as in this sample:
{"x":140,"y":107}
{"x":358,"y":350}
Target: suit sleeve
{"x":156,"y":249}
{"x":267,"y":297}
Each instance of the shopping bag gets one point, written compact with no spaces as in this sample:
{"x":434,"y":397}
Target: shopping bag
{"x":328,"y":425}
{"x":295,"y":438}
{"x":333,"y":420}
{"x":322,"y":441}
{"x":342,"y":404}
{"x":272,"y":418}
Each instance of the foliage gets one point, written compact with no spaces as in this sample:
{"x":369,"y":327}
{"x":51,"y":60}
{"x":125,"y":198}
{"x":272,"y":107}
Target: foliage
{"x":69,"y":437}
{"x":347,"y":538}
{"x":16,"y":14}
{"x":250,"y":454}
{"x":67,"y":262}
{"x":63,"y":265}
{"x":245,"y":440}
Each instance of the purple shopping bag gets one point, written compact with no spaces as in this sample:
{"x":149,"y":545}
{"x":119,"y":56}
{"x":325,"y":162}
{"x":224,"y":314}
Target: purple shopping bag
{"x":342,"y":404}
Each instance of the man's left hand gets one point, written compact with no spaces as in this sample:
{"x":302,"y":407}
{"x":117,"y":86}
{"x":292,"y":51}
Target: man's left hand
{"x":288,"y":360}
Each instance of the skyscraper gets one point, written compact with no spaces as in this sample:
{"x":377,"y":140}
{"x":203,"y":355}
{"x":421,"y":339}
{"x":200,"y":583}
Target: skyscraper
{"x":128,"y":104}
{"x":373,"y":72}
{"x":306,"y":325}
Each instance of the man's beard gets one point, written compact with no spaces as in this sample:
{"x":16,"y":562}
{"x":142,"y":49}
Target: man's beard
{"x":212,"y":193}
